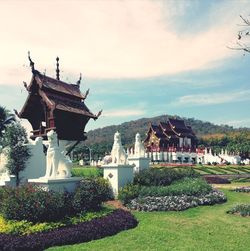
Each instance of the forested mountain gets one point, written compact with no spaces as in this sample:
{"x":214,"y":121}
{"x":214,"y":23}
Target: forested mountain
{"x":129,"y":129}
{"x":102,"y":139}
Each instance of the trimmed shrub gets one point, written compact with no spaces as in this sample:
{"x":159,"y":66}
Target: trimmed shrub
{"x":128,"y":192}
{"x":33,"y":204}
{"x":109,"y":225}
{"x":90,"y":194}
{"x":186,"y":186}
{"x":25,"y":227}
{"x":241,"y":209}
{"x":175,"y":203}
{"x":216,"y":180}
{"x":162,"y":177}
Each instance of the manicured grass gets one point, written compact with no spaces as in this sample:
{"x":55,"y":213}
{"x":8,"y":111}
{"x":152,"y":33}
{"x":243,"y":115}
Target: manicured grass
{"x":201,"y":228}
{"x":86,"y":171}
{"x":207,"y":169}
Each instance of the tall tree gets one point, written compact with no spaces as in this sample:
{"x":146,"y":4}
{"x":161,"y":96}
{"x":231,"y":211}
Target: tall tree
{"x":15,"y":138}
{"x":5,"y":119}
{"x":243,"y":41}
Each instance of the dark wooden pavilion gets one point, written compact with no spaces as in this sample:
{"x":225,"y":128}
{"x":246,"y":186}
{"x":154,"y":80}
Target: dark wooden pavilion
{"x":54,"y":104}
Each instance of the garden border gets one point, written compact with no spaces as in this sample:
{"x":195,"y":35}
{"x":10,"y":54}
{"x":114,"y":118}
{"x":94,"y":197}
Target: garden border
{"x":108,"y":225}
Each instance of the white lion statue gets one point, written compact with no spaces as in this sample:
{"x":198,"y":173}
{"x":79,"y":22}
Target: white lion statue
{"x":57,"y":165}
{"x":139,"y":150}
{"x":118,"y":153}
{"x":4,"y":173}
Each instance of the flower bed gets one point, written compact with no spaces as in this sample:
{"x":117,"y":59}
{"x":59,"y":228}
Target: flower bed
{"x":242,"y":189}
{"x":26,"y":227}
{"x":242,"y":210}
{"x":108,"y":225}
{"x":185,"y":186}
{"x":216,"y":180}
{"x":175,"y":203}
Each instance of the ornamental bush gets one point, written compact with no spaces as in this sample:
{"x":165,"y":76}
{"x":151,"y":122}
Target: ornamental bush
{"x":33,"y":204}
{"x":25,"y":227}
{"x":162,"y":177}
{"x":128,"y":192}
{"x":186,"y":186}
{"x":241,"y":209}
{"x":90,"y":194}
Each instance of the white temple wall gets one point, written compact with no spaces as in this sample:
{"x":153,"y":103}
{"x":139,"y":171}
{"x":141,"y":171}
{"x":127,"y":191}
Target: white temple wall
{"x":36,"y":164}
{"x":181,"y":142}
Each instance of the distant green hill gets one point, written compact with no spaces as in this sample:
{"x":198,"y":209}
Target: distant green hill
{"x":104,"y":136}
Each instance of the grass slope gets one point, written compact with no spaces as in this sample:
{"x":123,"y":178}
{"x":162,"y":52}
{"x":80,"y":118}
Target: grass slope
{"x":201,"y":228}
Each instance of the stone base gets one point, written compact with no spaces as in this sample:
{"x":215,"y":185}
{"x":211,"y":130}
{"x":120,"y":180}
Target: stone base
{"x":8,"y":181}
{"x":58,"y":185}
{"x":140,"y":163}
{"x":118,"y":176}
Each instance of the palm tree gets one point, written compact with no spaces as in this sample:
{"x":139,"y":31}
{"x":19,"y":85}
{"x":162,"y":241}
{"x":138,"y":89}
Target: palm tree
{"x":5,"y":119}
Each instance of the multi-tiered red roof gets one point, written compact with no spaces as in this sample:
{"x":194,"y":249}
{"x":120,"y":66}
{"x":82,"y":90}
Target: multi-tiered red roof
{"x":167,"y":134}
{"x":54,"y":104}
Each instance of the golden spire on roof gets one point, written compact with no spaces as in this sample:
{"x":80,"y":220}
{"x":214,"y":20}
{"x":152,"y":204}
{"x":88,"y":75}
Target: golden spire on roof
{"x":32,"y":64}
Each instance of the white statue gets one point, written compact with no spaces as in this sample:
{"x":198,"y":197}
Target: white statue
{"x":118,"y":153}
{"x":107,"y":159}
{"x":4,"y":173}
{"x":57,"y":165}
{"x":139,"y":148}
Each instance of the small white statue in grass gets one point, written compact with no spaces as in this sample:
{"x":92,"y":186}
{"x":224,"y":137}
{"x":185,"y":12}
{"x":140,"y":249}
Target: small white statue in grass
{"x":118,"y":153}
{"x":57,"y":165}
{"x":139,"y":150}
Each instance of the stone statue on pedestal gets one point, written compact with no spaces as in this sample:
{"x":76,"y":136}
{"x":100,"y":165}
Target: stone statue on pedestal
{"x":118,"y":153}
{"x":139,"y":150}
{"x":57,"y":165}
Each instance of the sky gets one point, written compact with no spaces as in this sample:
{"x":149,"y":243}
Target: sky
{"x":138,"y":58}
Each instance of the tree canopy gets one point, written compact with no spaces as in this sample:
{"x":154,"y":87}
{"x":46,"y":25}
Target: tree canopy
{"x":14,"y":141}
{"x":5,"y":119}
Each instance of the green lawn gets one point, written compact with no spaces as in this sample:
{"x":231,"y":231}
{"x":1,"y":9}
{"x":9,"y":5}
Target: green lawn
{"x":206,"y":169}
{"x":201,"y":228}
{"x":86,"y":171}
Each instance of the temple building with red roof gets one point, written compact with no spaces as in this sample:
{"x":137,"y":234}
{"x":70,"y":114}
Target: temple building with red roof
{"x":172,"y":136}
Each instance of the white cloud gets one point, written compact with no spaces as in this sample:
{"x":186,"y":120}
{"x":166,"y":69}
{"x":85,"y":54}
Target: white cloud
{"x":106,"y":39}
{"x":214,"y":98}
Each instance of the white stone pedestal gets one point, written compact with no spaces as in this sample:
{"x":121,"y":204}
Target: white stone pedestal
{"x":139,"y":163}
{"x":118,"y":176}
{"x":58,"y":185}
{"x":8,"y":181}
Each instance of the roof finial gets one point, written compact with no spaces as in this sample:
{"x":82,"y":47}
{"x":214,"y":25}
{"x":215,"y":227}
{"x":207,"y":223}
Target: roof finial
{"x":31,"y":63}
{"x":79,"y":81}
{"x":57,"y":69}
